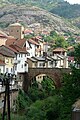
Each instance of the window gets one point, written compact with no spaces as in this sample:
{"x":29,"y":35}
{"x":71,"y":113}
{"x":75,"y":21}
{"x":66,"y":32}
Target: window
{"x":25,"y":55}
{"x":0,"y":70}
{"x":7,"y":70}
{"x":21,"y":66}
{"x":21,"y":55}
{"x":11,"y":60}
{"x":11,"y":70}
{"x":40,"y":64}
{"x":15,"y":67}
{"x":28,"y":54}
{"x":43,"y":64}
{"x":7,"y":60}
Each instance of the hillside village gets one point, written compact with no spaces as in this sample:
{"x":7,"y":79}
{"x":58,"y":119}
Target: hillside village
{"x":18,"y":53}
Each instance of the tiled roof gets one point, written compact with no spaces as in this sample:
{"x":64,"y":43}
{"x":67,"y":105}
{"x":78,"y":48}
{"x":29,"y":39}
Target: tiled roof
{"x":11,"y":48}
{"x":2,"y":34}
{"x":59,"y":50}
{"x":70,"y":48}
{"x":27,"y":31}
{"x":70,"y":58}
{"x":32,"y":59}
{"x":32,"y":42}
{"x":39,"y":58}
{"x":38,"y":37}
{"x":20,"y":42}
{"x":6,"y":53}
{"x":10,"y":40}
{"x":17,"y":45}
{"x":19,"y":49}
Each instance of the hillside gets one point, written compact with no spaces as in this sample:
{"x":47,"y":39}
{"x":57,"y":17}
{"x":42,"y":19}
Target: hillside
{"x":28,"y":15}
{"x":59,"y":7}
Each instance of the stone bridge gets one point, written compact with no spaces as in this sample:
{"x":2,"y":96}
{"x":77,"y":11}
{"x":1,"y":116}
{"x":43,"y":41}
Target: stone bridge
{"x":54,"y":73}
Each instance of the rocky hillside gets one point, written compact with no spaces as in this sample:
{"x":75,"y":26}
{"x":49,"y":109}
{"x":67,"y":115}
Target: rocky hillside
{"x":59,"y":7}
{"x":28,"y":15}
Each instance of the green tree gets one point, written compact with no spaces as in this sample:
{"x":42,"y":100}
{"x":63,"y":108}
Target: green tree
{"x":77,"y":54}
{"x":70,"y":92}
{"x":60,"y":42}
{"x":53,"y":34}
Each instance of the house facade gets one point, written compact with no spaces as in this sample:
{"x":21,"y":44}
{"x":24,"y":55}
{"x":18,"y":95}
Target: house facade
{"x":7,"y":57}
{"x":62,"y":59}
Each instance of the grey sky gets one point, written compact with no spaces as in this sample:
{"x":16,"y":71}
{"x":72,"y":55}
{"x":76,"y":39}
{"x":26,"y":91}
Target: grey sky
{"x":73,"y":1}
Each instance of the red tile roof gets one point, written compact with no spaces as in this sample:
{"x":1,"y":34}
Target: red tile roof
{"x":2,"y":34}
{"x":11,"y":48}
{"x":20,"y":42}
{"x":18,"y":49}
{"x":10,"y":40}
{"x":27,"y":31}
{"x":70,"y":58}
{"x":6,"y":53}
{"x":70,"y":48}
{"x":33,"y":42}
{"x":59,"y":50}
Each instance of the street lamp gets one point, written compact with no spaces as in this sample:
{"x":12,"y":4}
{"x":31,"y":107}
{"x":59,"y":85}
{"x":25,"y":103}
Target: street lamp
{"x":6,"y":97}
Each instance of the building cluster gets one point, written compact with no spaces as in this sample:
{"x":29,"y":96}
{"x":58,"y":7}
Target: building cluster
{"x":17,"y":53}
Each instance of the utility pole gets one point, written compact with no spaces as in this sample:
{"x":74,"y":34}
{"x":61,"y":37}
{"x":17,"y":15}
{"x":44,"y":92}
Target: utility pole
{"x":6,"y":98}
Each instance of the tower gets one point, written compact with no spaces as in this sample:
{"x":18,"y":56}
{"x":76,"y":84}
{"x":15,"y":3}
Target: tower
{"x":16,"y":30}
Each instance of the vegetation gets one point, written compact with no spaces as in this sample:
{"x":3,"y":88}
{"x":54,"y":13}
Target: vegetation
{"x":64,"y":9}
{"x":77,"y":54}
{"x":45,"y":102}
{"x":56,"y":40}
{"x":59,"y":7}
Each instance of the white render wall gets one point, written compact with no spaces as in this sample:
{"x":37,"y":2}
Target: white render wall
{"x":2,"y":68}
{"x":31,"y":50}
{"x":21,"y":58}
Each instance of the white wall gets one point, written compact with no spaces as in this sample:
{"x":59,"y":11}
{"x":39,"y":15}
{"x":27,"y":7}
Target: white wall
{"x":2,"y":68}
{"x":31,"y":50}
{"x":21,"y":58}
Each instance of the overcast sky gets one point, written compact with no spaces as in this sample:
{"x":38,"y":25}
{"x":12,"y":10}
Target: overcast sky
{"x":73,"y":1}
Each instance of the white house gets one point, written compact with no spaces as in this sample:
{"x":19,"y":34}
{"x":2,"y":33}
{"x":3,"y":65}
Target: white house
{"x":62,"y":59}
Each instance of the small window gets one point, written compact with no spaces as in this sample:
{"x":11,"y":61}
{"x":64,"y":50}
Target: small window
{"x":21,"y":55}
{"x":17,"y":30}
{"x":15,"y":67}
{"x":11,"y":70}
{"x":25,"y":55}
{"x":0,"y":70}
{"x":21,"y":66}
{"x":40,"y":64}
{"x":11,"y":60}
{"x":7,"y":70}
{"x":7,"y":60}
{"x":28,"y":54}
